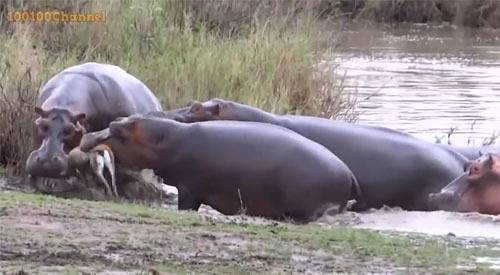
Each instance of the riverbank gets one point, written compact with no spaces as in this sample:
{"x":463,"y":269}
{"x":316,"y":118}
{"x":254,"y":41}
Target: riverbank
{"x":43,"y":234}
{"x":181,"y":51}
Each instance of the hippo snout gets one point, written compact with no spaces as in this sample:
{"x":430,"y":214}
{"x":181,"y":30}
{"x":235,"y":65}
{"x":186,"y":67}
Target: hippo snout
{"x":54,"y":166}
{"x":443,"y":200}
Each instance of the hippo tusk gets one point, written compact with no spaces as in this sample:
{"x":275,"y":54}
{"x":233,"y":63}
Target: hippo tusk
{"x":91,"y":140}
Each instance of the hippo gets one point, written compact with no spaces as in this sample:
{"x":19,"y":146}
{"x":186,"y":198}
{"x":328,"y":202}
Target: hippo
{"x":80,"y":99}
{"x":473,"y":152}
{"x":477,"y":190}
{"x":392,"y":168}
{"x":260,"y":169}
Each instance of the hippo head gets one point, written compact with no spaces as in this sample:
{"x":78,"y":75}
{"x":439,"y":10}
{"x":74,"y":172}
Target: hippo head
{"x":179,"y":114}
{"x":195,"y":111}
{"x":477,"y":190}
{"x":134,"y":140}
{"x":58,"y":131}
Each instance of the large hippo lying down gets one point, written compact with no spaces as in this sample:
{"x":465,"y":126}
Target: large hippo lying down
{"x":477,"y":190}
{"x":258,"y":168}
{"x":80,"y":99}
{"x":392,"y":168}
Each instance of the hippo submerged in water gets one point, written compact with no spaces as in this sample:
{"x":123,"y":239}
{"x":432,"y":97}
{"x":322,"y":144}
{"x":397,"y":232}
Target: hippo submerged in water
{"x":260,"y":169}
{"x":477,"y":190}
{"x":392,"y":168}
{"x":83,"y":98}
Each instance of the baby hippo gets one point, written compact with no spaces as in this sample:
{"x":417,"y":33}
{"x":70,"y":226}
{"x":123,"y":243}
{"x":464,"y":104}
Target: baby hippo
{"x":99,"y":163}
{"x":477,"y":190}
{"x":260,"y":169}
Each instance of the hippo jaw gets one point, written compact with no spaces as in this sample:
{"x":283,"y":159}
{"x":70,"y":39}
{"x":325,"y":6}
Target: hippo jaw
{"x":449,"y":197}
{"x":446,"y":201}
{"x":91,"y":140}
{"x":51,"y":167}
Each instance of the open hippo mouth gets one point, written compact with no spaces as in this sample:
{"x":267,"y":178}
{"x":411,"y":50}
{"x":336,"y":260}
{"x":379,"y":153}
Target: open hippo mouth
{"x":449,"y":197}
{"x":51,"y":185}
{"x":50,"y":167}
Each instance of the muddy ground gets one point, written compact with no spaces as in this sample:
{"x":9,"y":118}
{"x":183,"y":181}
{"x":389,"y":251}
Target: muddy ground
{"x":42,"y":234}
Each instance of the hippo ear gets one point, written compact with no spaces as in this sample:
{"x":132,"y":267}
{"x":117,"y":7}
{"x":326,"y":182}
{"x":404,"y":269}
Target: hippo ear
{"x":41,"y":112}
{"x":196,"y":108}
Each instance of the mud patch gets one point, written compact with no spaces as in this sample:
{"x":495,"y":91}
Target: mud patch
{"x":494,"y":263}
{"x":48,"y":235}
{"x":133,"y":186}
{"x":433,"y":223}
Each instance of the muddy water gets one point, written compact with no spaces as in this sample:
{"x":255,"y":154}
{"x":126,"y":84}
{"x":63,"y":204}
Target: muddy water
{"x":424,"y":79}
{"x":385,"y":219}
{"x":472,"y":225}
{"x":433,"y":223}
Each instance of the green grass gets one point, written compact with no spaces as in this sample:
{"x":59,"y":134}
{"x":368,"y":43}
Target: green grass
{"x":415,"y":252}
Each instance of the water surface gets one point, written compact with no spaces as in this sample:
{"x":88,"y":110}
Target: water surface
{"x":425,"y":80}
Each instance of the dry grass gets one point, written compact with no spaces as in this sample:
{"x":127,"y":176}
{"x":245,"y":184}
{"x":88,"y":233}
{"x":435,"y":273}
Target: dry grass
{"x":263,"y":53}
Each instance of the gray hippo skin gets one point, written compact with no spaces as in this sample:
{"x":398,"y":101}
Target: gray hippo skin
{"x":473,"y":152}
{"x":82,"y":98}
{"x":392,"y":168}
{"x":257,"y":168}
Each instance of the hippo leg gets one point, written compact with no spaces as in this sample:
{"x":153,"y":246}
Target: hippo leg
{"x":359,"y":207}
{"x":186,"y":200}
{"x":357,"y":194}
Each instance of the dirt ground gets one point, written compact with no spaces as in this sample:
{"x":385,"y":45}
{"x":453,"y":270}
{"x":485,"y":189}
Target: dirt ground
{"x":47,"y":235}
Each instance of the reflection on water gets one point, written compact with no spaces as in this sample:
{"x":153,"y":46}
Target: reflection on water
{"x":425,"y":80}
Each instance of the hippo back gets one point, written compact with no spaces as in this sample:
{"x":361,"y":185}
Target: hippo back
{"x":102,"y":91}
